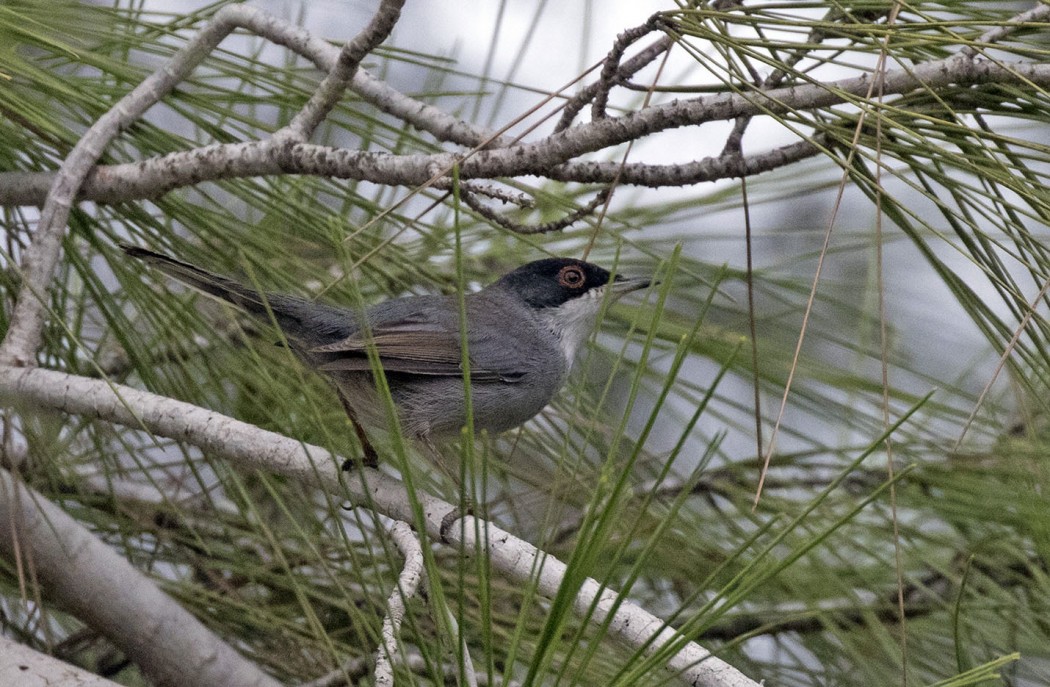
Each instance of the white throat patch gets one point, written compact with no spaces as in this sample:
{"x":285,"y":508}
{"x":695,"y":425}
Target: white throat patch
{"x":573,"y":321}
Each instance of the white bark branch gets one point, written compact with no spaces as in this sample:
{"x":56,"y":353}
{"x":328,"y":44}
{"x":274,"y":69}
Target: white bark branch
{"x":156,"y":176}
{"x":552,"y":157}
{"x":1038,"y":13}
{"x":91,"y":581}
{"x":253,"y":448}
{"x":335,"y":83}
{"x":20,"y":665}
{"x":407,"y":583}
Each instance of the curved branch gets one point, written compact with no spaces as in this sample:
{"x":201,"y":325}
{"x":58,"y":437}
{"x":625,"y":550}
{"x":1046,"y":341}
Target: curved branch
{"x":325,"y":56}
{"x":407,"y":583}
{"x":547,"y":227}
{"x":155,"y":176}
{"x":574,"y":105}
{"x":332,"y":87}
{"x":254,"y":448}
{"x":100,"y":587}
{"x":611,"y":69}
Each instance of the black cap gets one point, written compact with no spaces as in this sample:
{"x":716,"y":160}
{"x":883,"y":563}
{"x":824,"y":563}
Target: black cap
{"x":554,"y":281}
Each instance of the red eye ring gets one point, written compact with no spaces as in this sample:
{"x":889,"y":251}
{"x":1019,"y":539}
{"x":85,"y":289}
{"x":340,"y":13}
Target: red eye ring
{"x":572,"y":277}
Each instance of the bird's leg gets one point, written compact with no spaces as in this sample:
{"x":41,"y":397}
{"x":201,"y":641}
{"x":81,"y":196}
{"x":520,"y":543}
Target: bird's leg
{"x":371,"y":458}
{"x":431,"y":451}
{"x":466,"y":506}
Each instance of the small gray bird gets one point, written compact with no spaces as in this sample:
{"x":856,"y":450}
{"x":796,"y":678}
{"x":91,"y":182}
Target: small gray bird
{"x":522,"y":334}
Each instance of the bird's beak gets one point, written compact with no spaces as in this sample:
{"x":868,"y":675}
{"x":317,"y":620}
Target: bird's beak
{"x":622,"y":285}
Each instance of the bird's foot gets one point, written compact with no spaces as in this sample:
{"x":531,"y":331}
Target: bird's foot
{"x":369,"y":460}
{"x":452,"y":517}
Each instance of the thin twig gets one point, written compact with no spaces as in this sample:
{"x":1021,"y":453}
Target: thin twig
{"x":610,"y":73}
{"x":1039,"y":13}
{"x":408,"y":582}
{"x":332,"y":87}
{"x":489,"y":191}
{"x":756,"y":377}
{"x":574,"y":105}
{"x":884,"y":355}
{"x":528,"y":229}
{"x":1007,"y":352}
{"x":623,"y":162}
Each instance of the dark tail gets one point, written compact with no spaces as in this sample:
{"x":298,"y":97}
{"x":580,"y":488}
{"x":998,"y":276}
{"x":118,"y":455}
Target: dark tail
{"x":314,"y":324}
{"x":212,"y":284}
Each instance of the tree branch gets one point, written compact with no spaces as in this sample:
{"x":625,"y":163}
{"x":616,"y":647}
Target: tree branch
{"x":551,"y":157}
{"x":102,"y":589}
{"x":156,"y":176}
{"x":254,"y":448}
{"x":574,"y":105}
{"x":20,"y":665}
{"x":325,"y":56}
{"x":611,"y":69}
{"x":547,"y":227}
{"x":407,"y":583}
{"x":332,"y":87}
{"x":1037,"y":14}
{"x":537,"y":158}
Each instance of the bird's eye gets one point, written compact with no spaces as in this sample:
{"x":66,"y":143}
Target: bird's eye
{"x":571,"y":277}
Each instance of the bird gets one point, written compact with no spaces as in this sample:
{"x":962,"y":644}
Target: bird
{"x":522,"y":332}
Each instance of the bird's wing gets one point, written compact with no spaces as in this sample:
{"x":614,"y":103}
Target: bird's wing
{"x":415,"y":344}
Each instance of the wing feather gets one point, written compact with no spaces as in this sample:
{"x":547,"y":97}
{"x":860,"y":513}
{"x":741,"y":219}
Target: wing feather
{"x":408,"y":346}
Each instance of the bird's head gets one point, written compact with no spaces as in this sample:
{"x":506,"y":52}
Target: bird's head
{"x":566,"y":295}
